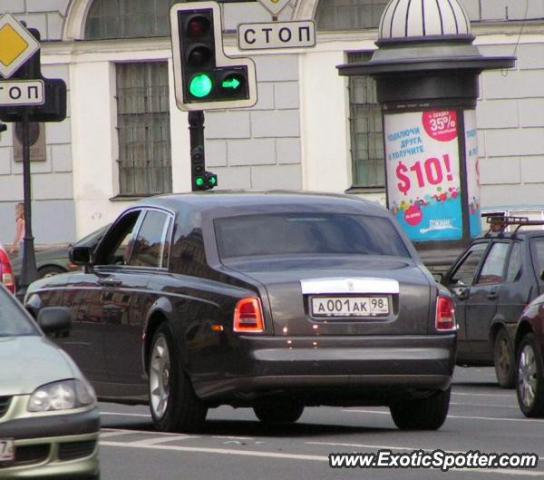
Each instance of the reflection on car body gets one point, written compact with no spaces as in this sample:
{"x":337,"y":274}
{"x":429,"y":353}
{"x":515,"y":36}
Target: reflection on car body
{"x":222,"y":288}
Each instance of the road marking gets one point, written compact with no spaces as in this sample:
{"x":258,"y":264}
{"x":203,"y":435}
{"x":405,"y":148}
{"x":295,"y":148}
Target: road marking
{"x":230,"y":437}
{"x":293,"y":456}
{"x":465,"y":394}
{"x":160,"y":440}
{"x":466,"y":417}
{"x":221,"y":451}
{"x":483,"y":405}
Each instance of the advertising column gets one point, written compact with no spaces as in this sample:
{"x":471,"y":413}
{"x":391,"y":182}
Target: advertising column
{"x":424,"y":184}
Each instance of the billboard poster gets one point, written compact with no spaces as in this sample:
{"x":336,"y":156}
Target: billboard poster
{"x":422,"y":166}
{"x":473,"y":174}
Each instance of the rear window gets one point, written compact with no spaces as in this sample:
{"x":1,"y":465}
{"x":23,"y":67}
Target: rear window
{"x":13,"y":321}
{"x":287,"y":234}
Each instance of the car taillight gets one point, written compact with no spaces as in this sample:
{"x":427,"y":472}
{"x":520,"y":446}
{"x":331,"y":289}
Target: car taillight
{"x":445,"y":315}
{"x":248,"y":316}
{"x":6,"y":273}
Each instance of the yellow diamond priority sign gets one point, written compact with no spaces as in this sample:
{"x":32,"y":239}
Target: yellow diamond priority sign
{"x":17,"y":45}
{"x":274,"y":6}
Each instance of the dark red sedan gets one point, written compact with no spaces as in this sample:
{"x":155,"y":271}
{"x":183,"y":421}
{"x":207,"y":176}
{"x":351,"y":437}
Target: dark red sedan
{"x":529,"y":359}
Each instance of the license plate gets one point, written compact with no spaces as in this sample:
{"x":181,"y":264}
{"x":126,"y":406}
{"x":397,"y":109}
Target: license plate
{"x":7,"y":451}
{"x":349,"y":306}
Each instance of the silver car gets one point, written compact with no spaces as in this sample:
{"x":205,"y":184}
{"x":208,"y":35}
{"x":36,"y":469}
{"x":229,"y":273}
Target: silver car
{"x":49,"y":420}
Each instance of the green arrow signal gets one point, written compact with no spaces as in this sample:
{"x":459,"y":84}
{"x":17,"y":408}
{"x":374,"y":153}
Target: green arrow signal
{"x":233,"y":83}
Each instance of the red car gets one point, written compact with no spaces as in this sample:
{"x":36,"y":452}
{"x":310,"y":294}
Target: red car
{"x":6,"y":272}
{"x":530,"y":359}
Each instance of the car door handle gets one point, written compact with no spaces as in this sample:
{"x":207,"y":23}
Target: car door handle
{"x":109,"y":282}
{"x":492,"y":295}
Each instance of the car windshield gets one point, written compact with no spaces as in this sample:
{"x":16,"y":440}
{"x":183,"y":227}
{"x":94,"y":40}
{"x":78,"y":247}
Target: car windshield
{"x":13,"y":321}
{"x":307,"y":233}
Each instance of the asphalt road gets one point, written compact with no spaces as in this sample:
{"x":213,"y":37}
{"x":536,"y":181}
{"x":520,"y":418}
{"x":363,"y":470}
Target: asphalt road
{"x":234,"y":445}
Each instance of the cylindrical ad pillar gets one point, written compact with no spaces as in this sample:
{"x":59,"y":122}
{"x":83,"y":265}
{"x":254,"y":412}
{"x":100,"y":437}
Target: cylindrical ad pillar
{"x":426,"y":69}
{"x":431,"y":166}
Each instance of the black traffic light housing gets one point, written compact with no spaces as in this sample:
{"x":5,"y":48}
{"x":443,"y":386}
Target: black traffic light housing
{"x":200,"y":178}
{"x":205,"y":78}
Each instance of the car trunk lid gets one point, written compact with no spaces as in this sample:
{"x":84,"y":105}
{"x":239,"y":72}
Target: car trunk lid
{"x":343,"y":295}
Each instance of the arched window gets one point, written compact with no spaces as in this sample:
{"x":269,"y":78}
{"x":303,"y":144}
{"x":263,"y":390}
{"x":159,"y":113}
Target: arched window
{"x":111,"y":19}
{"x":349,"y":14}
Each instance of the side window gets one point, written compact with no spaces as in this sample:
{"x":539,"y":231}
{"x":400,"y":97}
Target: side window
{"x":113,"y":248}
{"x":514,"y":264}
{"x":538,"y":254}
{"x":494,"y":265}
{"x":149,"y":247}
{"x":465,"y":272}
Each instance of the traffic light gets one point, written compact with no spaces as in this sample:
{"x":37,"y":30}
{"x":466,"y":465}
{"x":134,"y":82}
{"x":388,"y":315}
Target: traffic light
{"x":201,"y":179}
{"x":204,"y":77}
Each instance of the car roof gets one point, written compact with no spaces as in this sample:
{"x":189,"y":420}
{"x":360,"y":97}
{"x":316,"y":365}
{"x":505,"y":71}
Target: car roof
{"x":241,"y":202}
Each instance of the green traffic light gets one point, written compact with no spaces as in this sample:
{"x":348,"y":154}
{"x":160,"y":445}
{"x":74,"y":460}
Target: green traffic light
{"x":199,"y":182}
{"x":232,"y":82}
{"x":212,"y":181}
{"x":201,"y":85}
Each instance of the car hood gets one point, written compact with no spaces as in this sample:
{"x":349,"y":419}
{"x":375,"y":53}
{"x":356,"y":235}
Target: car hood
{"x":26,"y":363}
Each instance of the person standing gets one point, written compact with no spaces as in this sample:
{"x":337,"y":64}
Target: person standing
{"x":17,"y":247}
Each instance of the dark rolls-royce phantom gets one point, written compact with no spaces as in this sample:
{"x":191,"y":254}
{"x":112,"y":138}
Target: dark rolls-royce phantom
{"x":272,"y":301}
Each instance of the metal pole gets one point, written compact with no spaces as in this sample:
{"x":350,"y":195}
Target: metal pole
{"x":196,"y":134}
{"x":29,"y":272}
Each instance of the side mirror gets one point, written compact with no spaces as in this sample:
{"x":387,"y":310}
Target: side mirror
{"x":438,"y":277}
{"x":80,"y":255}
{"x":55,"y":320}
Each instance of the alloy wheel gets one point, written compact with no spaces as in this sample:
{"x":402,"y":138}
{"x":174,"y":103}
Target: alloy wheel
{"x":159,"y":377}
{"x":527,"y":376}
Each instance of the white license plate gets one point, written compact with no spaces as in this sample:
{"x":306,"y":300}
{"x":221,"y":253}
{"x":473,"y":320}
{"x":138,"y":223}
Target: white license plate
{"x":349,"y":306}
{"x":7,"y":451}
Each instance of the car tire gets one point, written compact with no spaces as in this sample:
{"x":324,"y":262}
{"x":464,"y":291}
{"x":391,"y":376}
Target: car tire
{"x":530,"y":377}
{"x":422,"y":414}
{"x":173,"y":403}
{"x":277,"y":412}
{"x":504,"y":360}
{"x":50,"y":271}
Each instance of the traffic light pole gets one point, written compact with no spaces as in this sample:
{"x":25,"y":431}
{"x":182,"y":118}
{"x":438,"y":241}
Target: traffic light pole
{"x":29,"y":272}
{"x":196,"y":132}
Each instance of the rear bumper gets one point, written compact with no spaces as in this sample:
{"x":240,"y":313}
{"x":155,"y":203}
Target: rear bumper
{"x":359,"y":369}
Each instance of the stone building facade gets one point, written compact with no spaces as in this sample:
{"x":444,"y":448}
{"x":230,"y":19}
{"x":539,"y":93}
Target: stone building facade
{"x":310,"y":129}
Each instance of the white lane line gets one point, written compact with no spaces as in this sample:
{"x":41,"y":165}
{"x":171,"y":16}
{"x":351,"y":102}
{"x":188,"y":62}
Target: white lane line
{"x":293,"y":456}
{"x":376,"y":447}
{"x":483,"y":405}
{"x":230,"y":437}
{"x":466,"y":394}
{"x":160,"y":440}
{"x":119,"y":414}
{"x":221,"y":451}
{"x":465,"y":417}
